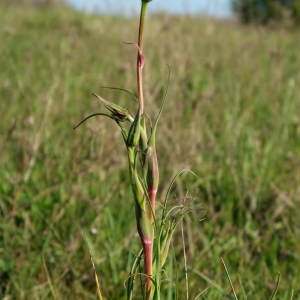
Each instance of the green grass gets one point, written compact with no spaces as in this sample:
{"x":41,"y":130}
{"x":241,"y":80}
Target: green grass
{"x":232,"y":117}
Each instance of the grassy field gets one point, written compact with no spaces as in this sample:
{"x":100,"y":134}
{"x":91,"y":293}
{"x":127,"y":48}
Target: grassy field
{"x":232,"y":116}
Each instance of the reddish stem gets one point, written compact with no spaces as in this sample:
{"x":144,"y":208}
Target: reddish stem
{"x":147,"y":242}
{"x":147,"y":247}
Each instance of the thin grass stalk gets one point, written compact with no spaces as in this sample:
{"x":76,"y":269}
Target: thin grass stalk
{"x":140,"y":44}
{"x":277,"y":286}
{"x":230,"y":282}
{"x":147,"y":241}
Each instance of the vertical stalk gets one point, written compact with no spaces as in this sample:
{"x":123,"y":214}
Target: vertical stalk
{"x":140,"y":44}
{"x":146,"y":241}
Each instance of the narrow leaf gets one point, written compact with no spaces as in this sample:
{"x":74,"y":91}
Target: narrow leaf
{"x":162,"y":104}
{"x":131,"y":278}
{"x":120,"y":89}
{"x":93,"y":115}
{"x":96,"y":277}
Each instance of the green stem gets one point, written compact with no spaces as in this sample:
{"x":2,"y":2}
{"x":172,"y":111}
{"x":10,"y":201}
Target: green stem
{"x":140,"y":44}
{"x":147,"y":243}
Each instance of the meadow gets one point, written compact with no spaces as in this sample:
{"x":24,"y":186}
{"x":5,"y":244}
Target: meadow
{"x":232,"y":116}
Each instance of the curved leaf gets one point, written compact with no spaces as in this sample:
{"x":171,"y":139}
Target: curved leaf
{"x":120,"y":89}
{"x":93,"y":115}
{"x":133,"y":272}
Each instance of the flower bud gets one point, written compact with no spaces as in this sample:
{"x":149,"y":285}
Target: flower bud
{"x":134,"y":131}
{"x":117,"y":112}
{"x":152,"y":172}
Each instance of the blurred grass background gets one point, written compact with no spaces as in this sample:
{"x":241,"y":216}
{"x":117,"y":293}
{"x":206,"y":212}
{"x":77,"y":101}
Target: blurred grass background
{"x":232,"y":116}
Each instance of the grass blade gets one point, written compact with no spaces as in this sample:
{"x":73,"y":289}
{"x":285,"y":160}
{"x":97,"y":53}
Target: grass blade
{"x":49,"y":279}
{"x":232,"y":288}
{"x":242,"y":287}
{"x":204,"y":291}
{"x":96,"y":277}
{"x":277,"y":286}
